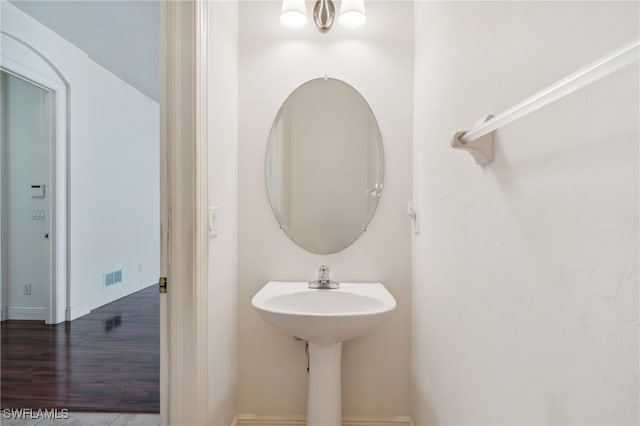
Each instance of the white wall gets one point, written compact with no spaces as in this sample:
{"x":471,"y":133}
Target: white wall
{"x":525,"y":292}
{"x":116,"y":217}
{"x":223,"y":190}
{"x":377,"y":60}
{"x":113,"y":171}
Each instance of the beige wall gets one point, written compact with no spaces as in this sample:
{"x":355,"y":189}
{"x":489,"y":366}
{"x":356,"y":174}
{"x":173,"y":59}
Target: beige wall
{"x":525,"y":292}
{"x":223,"y":166}
{"x":378,"y":61}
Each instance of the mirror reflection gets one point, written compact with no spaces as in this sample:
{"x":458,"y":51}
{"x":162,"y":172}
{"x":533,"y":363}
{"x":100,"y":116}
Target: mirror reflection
{"x":324,"y":166}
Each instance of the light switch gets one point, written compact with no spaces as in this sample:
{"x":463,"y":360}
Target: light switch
{"x":38,"y":214}
{"x":213,"y":225}
{"x":414,"y":216}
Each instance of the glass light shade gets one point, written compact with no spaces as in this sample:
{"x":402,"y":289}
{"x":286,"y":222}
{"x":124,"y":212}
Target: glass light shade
{"x":352,"y":13}
{"x":293,"y":14}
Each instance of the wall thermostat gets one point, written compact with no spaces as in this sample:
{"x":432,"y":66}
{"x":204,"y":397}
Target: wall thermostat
{"x":37,"y":191}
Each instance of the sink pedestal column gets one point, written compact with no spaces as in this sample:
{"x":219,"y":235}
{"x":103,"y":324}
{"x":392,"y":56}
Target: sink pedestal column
{"x":324,"y":404}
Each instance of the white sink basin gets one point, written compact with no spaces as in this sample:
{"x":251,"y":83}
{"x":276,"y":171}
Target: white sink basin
{"x":325,"y":318}
{"x":322,"y":315}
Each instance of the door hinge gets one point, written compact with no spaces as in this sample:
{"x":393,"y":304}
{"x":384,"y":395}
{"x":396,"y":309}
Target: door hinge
{"x":163,"y":285}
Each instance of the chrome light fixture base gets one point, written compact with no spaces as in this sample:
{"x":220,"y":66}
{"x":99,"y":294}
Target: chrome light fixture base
{"x":352,"y":14}
{"x":324,"y":13}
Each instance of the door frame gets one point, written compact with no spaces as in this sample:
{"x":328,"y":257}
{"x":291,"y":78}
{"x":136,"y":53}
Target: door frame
{"x":183,"y":212}
{"x":57,"y":310}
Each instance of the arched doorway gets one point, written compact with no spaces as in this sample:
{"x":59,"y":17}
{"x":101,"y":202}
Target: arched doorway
{"x":22,"y":61}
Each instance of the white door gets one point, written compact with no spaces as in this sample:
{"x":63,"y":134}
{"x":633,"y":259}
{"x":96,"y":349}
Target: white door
{"x":26,"y":123}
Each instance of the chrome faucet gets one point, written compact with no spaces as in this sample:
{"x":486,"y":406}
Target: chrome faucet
{"x":323,"y":281}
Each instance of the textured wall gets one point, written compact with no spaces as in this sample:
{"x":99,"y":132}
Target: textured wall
{"x":525,"y":292}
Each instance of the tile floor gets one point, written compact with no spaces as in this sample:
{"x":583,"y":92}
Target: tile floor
{"x":87,"y":419}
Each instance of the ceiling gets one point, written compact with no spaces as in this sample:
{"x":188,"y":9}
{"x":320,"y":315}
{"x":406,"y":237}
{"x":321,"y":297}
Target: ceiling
{"x":122,"y":36}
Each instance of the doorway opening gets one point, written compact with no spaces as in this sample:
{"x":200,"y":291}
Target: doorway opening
{"x":27,"y":173}
{"x":101,"y":340}
{"x":25,"y":69}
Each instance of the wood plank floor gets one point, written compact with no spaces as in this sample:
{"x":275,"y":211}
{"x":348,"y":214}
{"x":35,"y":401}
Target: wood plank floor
{"x":108,"y":360}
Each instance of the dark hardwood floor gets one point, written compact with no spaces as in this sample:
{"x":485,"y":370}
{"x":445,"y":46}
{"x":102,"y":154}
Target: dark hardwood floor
{"x":108,"y":360}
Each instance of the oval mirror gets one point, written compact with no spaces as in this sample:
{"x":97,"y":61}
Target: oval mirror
{"x":324,"y":165}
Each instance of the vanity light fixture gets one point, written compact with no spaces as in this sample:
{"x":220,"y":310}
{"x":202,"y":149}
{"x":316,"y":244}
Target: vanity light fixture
{"x":294,"y":14}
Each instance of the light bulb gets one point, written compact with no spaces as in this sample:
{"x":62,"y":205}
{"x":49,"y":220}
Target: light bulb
{"x":293,"y":14}
{"x":352,"y":13}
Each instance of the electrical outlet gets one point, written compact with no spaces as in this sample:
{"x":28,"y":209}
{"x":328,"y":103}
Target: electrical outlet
{"x":139,"y":267}
{"x":27,"y":289}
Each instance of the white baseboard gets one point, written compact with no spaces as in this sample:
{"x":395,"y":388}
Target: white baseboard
{"x":106,"y":296}
{"x":116,"y":292}
{"x":25,"y":313}
{"x":77,"y":311}
{"x":252,"y":420}
{"x":3,"y":313}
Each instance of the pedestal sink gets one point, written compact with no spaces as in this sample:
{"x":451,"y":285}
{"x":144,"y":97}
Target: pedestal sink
{"x":325,"y":318}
